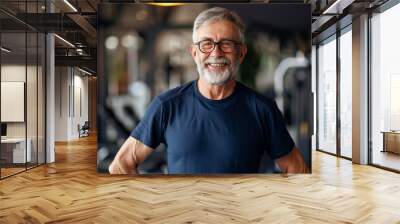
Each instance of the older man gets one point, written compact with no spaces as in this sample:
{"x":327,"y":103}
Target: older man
{"x":214,"y":124}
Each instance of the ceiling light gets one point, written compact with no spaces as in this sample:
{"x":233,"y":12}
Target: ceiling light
{"x":337,"y":7}
{"x":79,"y":44}
{"x":329,"y":9}
{"x":65,"y":41}
{"x":70,"y":5}
{"x":79,"y":51}
{"x":84,"y":71}
{"x":5,"y":49}
{"x":130,"y":41}
{"x":112,"y":42}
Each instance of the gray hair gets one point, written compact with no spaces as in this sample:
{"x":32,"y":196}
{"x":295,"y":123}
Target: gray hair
{"x":217,"y":14}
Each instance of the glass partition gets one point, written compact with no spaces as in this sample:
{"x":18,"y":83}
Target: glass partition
{"x":327,"y":95}
{"x":41,"y":109}
{"x":22,"y":88}
{"x":31,"y":99}
{"x":32,"y":96}
{"x":13,"y":109}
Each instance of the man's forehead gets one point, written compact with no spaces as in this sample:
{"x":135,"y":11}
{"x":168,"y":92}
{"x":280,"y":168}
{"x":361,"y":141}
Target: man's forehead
{"x":225,"y":29}
{"x":226,"y":23}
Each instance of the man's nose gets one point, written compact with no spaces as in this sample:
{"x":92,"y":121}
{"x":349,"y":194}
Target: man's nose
{"x":216,"y":51}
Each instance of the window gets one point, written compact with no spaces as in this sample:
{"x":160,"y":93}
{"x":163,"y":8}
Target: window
{"x":346,"y":92}
{"x":385,"y":88}
{"x":327,"y":96}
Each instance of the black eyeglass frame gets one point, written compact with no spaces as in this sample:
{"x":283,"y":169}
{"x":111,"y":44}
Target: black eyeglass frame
{"x":236,"y":43}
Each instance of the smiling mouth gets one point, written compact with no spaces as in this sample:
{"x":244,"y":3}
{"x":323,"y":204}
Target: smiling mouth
{"x":216,"y":65}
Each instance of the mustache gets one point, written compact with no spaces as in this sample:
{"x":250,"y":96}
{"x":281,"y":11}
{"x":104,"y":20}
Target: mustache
{"x":218,"y":60}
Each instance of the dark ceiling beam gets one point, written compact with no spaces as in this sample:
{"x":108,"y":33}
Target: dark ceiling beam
{"x":84,"y":24}
{"x":81,"y":61}
{"x":44,"y":22}
{"x":16,"y":18}
{"x":80,"y":20}
{"x":52,"y":22}
{"x":91,"y":5}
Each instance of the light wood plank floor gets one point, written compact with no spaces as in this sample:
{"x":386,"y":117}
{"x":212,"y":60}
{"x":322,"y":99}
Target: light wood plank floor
{"x":388,"y":159}
{"x":70,"y":191}
{"x":10,"y":171}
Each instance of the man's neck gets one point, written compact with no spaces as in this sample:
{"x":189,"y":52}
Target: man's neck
{"x":216,"y":92}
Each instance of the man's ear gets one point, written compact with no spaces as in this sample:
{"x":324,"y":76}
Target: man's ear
{"x":243,"y":52}
{"x":192,"y":50}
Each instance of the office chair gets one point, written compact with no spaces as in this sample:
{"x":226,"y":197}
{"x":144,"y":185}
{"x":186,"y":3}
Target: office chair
{"x":84,"y":130}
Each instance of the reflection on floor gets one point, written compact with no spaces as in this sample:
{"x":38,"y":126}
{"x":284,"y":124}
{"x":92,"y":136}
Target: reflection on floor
{"x":11,"y":169}
{"x":71,"y":191}
{"x":386,"y":159}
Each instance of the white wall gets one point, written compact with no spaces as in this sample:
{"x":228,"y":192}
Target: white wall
{"x":71,"y":94}
{"x":16,"y":73}
{"x":61,"y":103}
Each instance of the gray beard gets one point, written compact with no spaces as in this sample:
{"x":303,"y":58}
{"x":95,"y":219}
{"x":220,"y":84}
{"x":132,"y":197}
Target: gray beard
{"x":217,"y":78}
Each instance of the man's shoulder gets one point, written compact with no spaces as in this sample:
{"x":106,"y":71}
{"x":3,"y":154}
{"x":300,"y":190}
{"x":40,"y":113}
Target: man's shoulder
{"x":255,"y":97}
{"x":176,"y":92}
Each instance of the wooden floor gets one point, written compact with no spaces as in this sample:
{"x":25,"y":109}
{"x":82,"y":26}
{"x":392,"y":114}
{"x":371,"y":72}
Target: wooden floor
{"x":387,"y":159}
{"x":10,"y":171}
{"x":70,"y":191}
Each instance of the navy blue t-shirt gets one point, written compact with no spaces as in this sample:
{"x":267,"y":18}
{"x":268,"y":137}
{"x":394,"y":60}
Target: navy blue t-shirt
{"x":214,"y":136}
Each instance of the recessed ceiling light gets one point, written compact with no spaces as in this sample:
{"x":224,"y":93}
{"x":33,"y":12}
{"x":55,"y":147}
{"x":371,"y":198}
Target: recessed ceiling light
{"x":64,"y":40}
{"x":5,"y":49}
{"x":84,"y":71}
{"x":70,"y":5}
{"x":337,"y":7}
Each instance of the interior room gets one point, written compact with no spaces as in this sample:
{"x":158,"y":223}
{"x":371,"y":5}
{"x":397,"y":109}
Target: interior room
{"x":66,"y":73}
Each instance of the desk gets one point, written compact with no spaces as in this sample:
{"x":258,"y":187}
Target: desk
{"x":15,"y":148}
{"x":391,"y":141}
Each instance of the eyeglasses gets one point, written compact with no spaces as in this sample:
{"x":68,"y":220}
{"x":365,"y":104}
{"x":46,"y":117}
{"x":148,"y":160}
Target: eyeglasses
{"x":226,"y":46}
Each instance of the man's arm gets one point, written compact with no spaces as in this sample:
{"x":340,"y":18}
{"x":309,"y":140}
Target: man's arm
{"x":129,"y":156}
{"x":292,"y":162}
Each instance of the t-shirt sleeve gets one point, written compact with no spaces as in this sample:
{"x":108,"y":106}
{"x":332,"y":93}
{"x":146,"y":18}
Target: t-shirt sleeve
{"x":150,"y":130}
{"x":280,"y":142}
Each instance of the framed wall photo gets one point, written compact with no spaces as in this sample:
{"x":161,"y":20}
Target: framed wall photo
{"x":12,"y":101}
{"x":156,"y":62}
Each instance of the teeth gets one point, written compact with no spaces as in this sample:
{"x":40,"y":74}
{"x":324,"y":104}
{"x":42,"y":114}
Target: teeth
{"x":217,"y":65}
